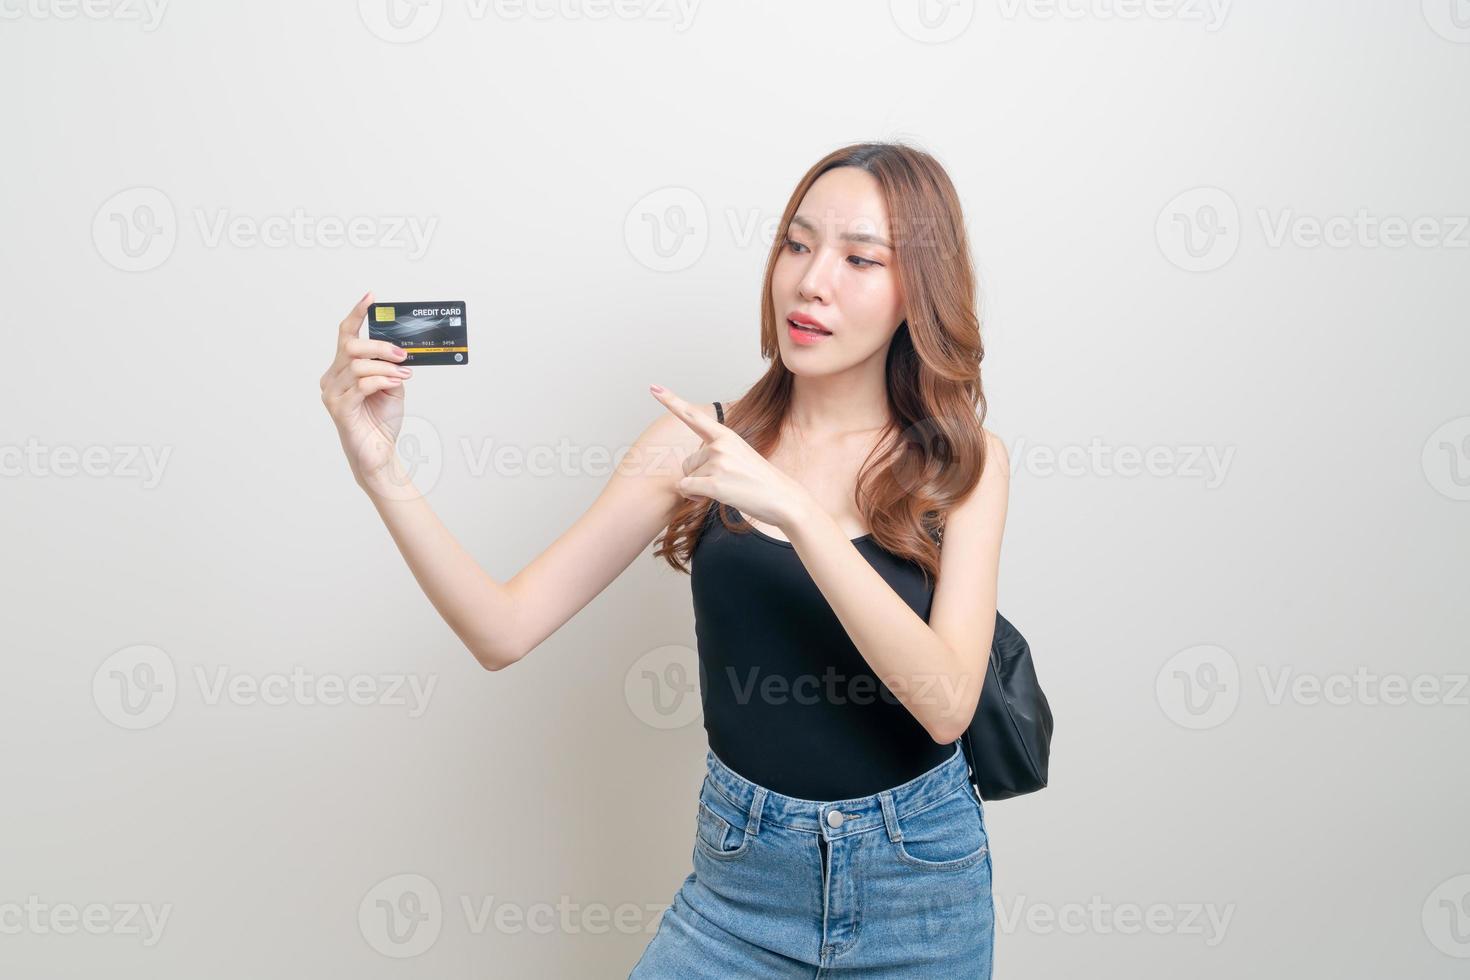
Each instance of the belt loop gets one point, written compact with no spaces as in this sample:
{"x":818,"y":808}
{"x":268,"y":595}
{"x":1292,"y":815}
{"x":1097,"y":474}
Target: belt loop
{"x":757,"y":803}
{"x":890,"y":816}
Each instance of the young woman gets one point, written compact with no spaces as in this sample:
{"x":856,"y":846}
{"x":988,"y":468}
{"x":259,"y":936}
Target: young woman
{"x":842,"y":649}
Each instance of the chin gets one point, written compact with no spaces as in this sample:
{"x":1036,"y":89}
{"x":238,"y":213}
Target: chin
{"x":807,"y":370}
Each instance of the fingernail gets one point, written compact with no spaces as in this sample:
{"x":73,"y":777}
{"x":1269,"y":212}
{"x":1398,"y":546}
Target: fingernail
{"x":399,"y":352}
{"x":656,"y":389}
{"x":406,"y":372}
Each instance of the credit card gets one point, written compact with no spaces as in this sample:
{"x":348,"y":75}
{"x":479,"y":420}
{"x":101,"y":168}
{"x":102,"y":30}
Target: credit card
{"x":431,"y":332}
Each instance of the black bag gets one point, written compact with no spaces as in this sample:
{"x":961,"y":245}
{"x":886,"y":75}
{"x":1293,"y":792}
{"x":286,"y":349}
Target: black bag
{"x":1008,"y":743}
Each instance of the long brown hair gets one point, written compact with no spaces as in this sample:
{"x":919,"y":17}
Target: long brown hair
{"x":931,"y":453}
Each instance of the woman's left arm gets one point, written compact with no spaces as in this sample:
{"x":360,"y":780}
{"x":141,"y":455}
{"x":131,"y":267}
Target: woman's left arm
{"x":935,"y":669}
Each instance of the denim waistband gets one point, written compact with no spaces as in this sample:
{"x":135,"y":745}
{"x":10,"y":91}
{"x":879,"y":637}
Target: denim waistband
{"x":864,"y":813}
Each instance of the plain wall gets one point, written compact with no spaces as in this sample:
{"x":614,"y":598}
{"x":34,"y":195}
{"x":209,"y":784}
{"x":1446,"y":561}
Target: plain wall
{"x":1241,"y":466}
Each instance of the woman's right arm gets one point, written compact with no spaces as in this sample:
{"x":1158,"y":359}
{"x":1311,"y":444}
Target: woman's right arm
{"x":498,"y":622}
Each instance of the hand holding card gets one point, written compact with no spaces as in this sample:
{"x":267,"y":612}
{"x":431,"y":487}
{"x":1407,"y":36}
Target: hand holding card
{"x":362,"y":390}
{"x":432,"y":332}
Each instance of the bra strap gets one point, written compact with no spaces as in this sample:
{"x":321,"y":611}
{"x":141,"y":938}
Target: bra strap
{"x":720,"y":412}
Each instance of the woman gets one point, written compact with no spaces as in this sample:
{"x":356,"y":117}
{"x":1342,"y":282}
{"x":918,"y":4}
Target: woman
{"x":842,"y":650}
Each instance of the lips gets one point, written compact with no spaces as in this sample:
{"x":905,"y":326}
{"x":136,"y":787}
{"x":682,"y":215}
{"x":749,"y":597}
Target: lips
{"x":801,"y":321}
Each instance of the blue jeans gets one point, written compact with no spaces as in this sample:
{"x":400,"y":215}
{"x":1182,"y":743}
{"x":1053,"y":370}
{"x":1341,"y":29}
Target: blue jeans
{"x":892,"y":885}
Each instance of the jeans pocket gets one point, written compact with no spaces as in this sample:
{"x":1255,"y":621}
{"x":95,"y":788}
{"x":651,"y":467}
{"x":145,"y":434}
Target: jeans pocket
{"x":946,"y":835}
{"x":720,"y":829}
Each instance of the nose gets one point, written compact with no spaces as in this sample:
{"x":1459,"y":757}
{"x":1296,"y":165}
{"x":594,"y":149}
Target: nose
{"x":815,"y":284}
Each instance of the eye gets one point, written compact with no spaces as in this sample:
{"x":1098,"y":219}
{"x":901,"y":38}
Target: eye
{"x":793,"y":244}
{"x":867,"y":262}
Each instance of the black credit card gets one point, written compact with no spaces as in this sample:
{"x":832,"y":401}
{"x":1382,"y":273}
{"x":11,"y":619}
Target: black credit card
{"x":431,"y":332}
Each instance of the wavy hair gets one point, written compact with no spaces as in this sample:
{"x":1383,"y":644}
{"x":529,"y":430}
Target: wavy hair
{"x":931,"y":452}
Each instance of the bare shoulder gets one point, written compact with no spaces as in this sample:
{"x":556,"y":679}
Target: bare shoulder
{"x":996,"y":454}
{"x":985,"y":504}
{"x":979,"y":517}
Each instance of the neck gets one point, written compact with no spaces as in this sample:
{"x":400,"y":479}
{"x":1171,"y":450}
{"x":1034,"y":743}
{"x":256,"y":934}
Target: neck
{"x":849,"y":402}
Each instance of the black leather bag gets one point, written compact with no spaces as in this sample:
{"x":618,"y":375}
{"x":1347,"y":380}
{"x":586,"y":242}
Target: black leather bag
{"x":1008,"y":743}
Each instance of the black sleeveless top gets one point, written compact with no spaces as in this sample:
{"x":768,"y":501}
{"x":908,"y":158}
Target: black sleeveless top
{"x":789,"y":702}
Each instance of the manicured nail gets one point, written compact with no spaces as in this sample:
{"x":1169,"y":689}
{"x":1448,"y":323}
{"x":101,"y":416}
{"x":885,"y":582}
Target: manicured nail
{"x":656,"y":389}
{"x":405,"y":372}
{"x":399,"y":352}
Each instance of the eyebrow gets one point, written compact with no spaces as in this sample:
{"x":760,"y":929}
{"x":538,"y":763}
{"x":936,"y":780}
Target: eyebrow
{"x":851,"y":236}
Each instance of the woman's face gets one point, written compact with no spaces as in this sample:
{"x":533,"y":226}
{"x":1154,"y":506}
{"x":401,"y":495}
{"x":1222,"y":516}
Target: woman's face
{"x":837,"y":266}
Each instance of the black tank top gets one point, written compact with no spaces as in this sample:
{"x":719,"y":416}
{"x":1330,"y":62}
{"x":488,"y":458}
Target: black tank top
{"x":789,"y":702}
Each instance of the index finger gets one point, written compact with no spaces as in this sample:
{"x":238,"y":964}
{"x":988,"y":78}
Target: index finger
{"x":704,"y":426}
{"x":353,"y":323}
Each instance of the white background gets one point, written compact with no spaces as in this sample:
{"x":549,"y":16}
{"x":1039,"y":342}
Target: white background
{"x":540,"y":145}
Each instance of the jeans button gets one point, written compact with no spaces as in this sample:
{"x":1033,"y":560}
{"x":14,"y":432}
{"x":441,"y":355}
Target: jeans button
{"x":834,"y":819}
